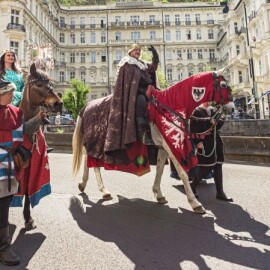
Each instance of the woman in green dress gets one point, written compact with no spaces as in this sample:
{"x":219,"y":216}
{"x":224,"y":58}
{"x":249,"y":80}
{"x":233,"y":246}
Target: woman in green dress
{"x":11,"y":72}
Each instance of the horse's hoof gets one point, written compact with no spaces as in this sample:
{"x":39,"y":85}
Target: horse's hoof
{"x":199,"y":210}
{"x":162,"y":200}
{"x":81,"y":187}
{"x":107,"y":197}
{"x":30,"y":225}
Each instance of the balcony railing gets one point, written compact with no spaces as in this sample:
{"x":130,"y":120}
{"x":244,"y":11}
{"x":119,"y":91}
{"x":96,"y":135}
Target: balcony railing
{"x":213,"y":60}
{"x":135,"y":23}
{"x":242,"y":30}
{"x":188,"y":22}
{"x":210,"y":21}
{"x":117,"y":24}
{"x":152,"y":22}
{"x":16,"y":26}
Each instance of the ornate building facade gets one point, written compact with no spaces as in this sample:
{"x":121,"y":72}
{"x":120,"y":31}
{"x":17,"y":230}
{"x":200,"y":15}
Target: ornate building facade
{"x":89,"y":41}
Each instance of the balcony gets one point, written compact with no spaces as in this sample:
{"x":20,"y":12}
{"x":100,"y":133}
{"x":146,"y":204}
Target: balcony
{"x":92,"y":25}
{"x":167,"y":23}
{"x":187,"y":22}
{"x":16,"y":27}
{"x":210,"y":21}
{"x":213,"y":60}
{"x":117,"y":24}
{"x":241,"y":31}
{"x":252,"y":15}
{"x":153,"y":23}
{"x":198,"y":22}
{"x":63,"y":25}
{"x":177,"y":23}
{"x":135,"y":23}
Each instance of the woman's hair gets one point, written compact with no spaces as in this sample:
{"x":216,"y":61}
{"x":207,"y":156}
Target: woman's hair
{"x":15,"y":66}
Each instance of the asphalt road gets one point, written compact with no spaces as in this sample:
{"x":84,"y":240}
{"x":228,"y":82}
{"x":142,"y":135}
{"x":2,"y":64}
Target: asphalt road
{"x":80,"y":231}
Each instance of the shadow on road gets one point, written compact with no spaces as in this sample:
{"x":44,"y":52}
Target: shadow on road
{"x":25,"y":245}
{"x":158,"y":237}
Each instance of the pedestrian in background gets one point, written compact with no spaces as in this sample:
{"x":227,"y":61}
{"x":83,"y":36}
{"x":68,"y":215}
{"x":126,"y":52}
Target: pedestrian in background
{"x":58,"y":119}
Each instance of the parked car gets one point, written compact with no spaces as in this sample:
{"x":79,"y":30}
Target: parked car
{"x":64,"y":120}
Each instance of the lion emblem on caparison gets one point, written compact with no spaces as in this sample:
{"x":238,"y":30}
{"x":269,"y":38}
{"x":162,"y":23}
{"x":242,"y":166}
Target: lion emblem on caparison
{"x":198,"y":93}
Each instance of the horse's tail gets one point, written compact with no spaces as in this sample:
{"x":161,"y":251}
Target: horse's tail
{"x":77,"y":146}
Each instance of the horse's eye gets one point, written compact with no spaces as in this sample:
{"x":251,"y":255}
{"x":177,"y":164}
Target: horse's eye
{"x":223,"y":84}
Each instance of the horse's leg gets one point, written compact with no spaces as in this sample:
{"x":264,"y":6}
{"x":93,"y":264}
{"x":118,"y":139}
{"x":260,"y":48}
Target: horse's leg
{"x":195,"y":204}
{"x":29,"y":222}
{"x":161,"y":159}
{"x":85,"y":178}
{"x":105,"y":193}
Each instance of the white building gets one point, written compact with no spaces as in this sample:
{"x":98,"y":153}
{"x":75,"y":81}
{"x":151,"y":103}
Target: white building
{"x":89,"y":41}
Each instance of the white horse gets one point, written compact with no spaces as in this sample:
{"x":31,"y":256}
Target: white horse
{"x":217,"y":91}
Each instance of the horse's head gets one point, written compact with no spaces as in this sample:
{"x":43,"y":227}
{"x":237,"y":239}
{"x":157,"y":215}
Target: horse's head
{"x":222,"y":92}
{"x":41,"y":92}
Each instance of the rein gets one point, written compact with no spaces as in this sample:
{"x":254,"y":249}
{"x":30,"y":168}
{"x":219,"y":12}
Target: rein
{"x":160,"y":107}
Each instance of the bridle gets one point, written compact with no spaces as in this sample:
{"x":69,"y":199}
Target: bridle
{"x":48,"y":85}
{"x":217,"y":86}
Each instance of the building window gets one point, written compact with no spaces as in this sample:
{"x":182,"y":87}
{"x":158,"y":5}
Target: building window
{"x":169,"y":74}
{"x":135,"y":36}
{"x":189,"y":54}
{"x":83,"y":57}
{"x":82,"y":37}
{"x":62,"y":57}
{"x":212,"y":53}
{"x":152,"y":19}
{"x":117,"y":20}
{"x":190,"y":71}
{"x":188,"y":33}
{"x":210,"y":34}
{"x":93,"y":37}
{"x":237,"y":49}
{"x":14,"y":46}
{"x":168,"y":54}
{"x":72,"y":75}
{"x":92,"y":22}
{"x":152,"y":35}
{"x":210,"y":18}
{"x":15,"y":15}
{"x":72,"y":57}
{"x":200,"y":54}
{"x":168,"y":35}
{"x":62,"y":37}
{"x":167,"y":19}
{"x":135,"y":20}
{"x":83,"y":76}
{"x":240,"y":76}
{"x":72,"y":23}
{"x":72,"y":38}
{"x":61,"y":76}
{"x":118,"y":55}
{"x":177,"y":19}
{"x":187,"y":19}
{"x":118,"y":36}
{"x":198,"y":34}
{"x":93,"y":57}
{"x":235,"y":28}
{"x":103,"y":37}
{"x":179,"y":54}
{"x":198,"y":19}
{"x":179,"y":74}
{"x":103,"y":56}
{"x":178,"y":35}
{"x":82,"y":22}
{"x":62,"y":22}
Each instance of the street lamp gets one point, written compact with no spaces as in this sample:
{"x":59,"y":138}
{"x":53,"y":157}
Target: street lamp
{"x":251,"y":65}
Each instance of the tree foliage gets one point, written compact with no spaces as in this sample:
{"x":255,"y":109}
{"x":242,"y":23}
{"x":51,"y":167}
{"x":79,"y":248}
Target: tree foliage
{"x":75,"y":98}
{"x":147,"y":56}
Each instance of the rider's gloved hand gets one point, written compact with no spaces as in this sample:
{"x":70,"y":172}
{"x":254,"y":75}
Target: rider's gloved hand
{"x":154,"y":52}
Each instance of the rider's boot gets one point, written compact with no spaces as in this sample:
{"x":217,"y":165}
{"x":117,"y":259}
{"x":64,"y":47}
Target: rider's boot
{"x":143,"y":130}
{"x":7,"y":255}
{"x":218,"y":178}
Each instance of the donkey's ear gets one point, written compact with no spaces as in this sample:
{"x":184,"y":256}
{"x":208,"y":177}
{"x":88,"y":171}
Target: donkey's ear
{"x":33,"y":69}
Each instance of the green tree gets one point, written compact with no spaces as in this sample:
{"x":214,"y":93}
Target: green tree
{"x":147,"y":56}
{"x":75,"y":98}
